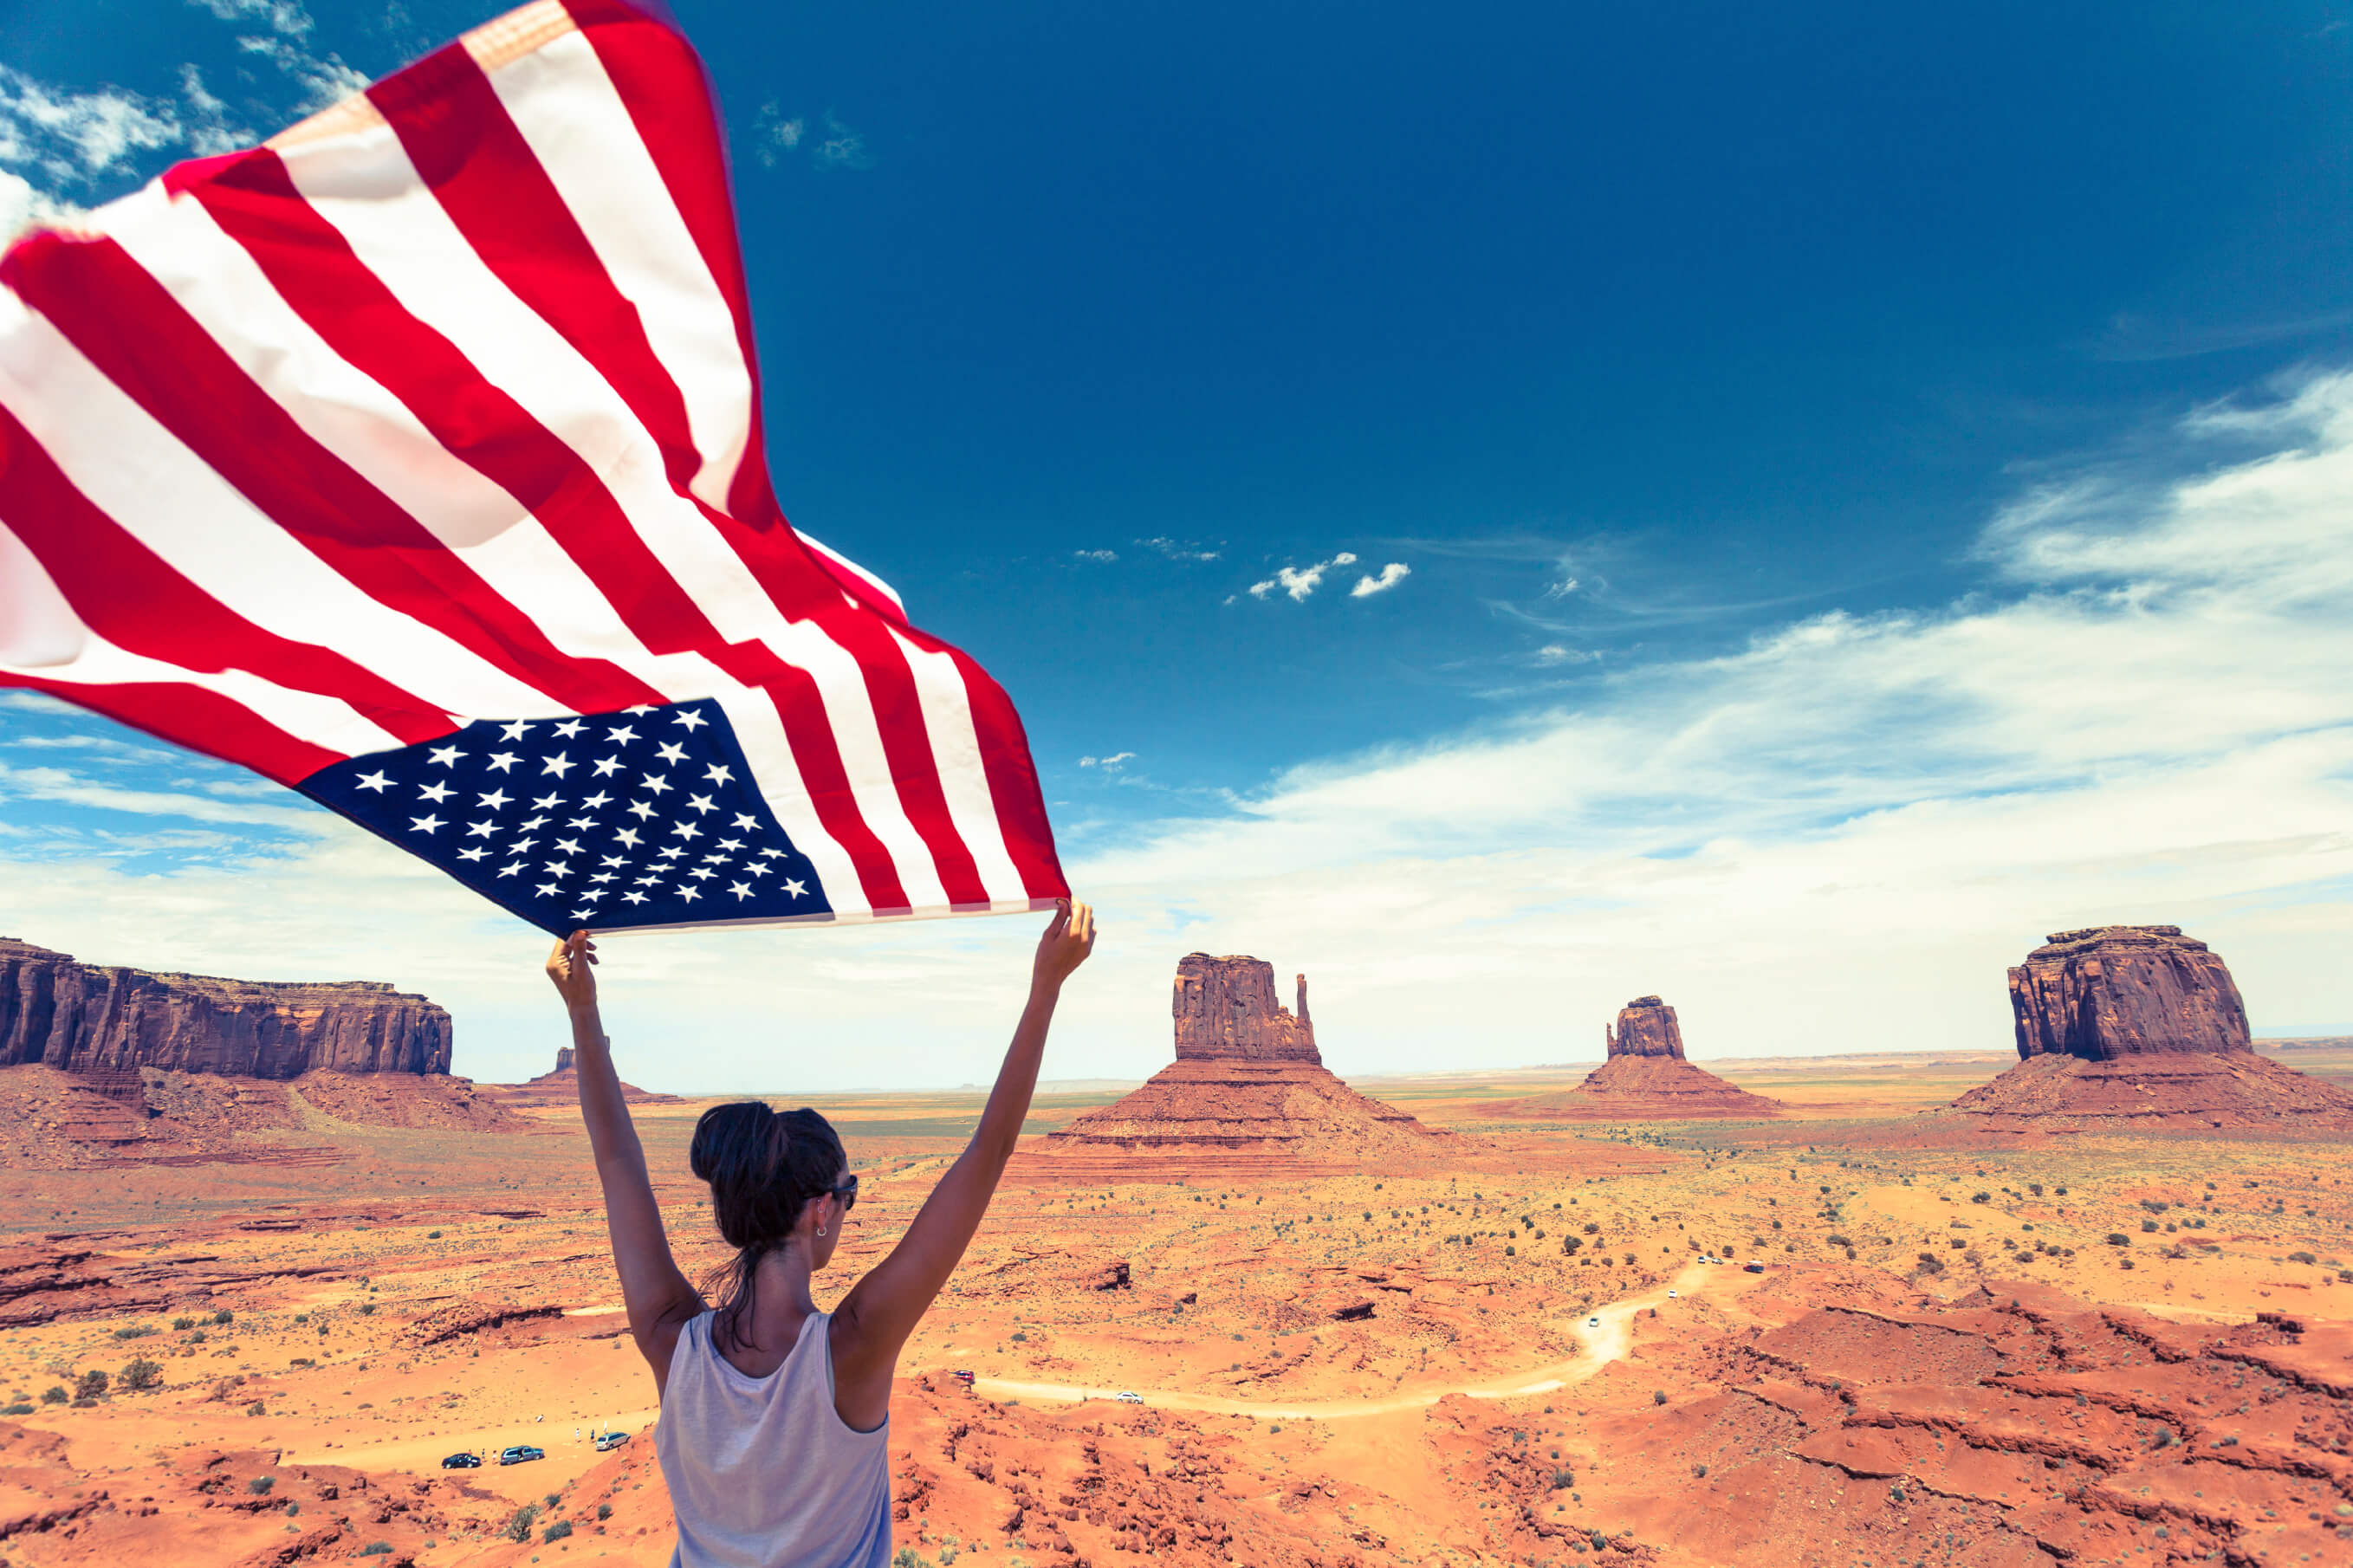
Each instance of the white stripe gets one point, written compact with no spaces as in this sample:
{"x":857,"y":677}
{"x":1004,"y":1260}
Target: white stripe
{"x":964,"y":777}
{"x":580,"y":131}
{"x":138,"y":473}
{"x":769,"y":750}
{"x":364,"y":186}
{"x":46,"y":640}
{"x":855,"y":570}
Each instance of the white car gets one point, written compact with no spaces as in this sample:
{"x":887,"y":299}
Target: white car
{"x":1592,"y":1322}
{"x":1129,"y":1398}
{"x":1671,"y":1295}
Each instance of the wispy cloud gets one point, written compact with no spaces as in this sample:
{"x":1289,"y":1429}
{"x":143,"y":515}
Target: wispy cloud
{"x":1299,"y":581}
{"x":1098,"y":555}
{"x":830,"y":145}
{"x":1393,"y":573}
{"x":1178,"y":550}
{"x":66,"y":787}
{"x":1113,"y":760}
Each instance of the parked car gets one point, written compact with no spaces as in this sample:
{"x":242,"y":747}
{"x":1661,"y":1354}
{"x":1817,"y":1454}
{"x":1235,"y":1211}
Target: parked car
{"x":1672,"y":1295}
{"x":1130,"y":1398}
{"x":521,"y":1453}
{"x":610,"y":1441}
{"x":1592,"y":1322}
{"x":462,"y":1462}
{"x":1752,"y":1268}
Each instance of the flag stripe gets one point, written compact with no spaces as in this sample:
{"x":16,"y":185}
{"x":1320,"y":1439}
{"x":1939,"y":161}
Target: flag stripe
{"x":962,"y":775}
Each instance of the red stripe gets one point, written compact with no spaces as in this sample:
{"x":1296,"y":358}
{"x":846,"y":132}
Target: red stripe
{"x":466,"y":150}
{"x":199,"y":719}
{"x":256,"y":203}
{"x":1012,"y":776}
{"x":135,"y":599}
{"x":140,"y":338}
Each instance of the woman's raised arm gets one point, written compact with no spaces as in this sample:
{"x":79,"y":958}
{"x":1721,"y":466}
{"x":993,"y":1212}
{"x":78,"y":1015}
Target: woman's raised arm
{"x":881,"y":1309}
{"x":658,"y":1296}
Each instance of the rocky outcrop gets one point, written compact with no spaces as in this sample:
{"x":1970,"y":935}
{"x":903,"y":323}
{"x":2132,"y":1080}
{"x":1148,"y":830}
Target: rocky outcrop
{"x":1226,"y":1010}
{"x":1646,"y":1027}
{"x":2143,"y":1027}
{"x":1248,"y":1080}
{"x":2111,"y":992}
{"x":84,"y":1020}
{"x":1645,"y":1078}
{"x":561,"y":1088}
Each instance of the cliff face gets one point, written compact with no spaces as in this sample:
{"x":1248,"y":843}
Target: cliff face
{"x":84,"y":1020}
{"x":2112,"y":992}
{"x":1226,"y":1011}
{"x":1646,"y":1027}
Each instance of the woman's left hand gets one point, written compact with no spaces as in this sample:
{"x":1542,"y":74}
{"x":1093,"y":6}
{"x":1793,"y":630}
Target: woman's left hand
{"x":572,"y":966}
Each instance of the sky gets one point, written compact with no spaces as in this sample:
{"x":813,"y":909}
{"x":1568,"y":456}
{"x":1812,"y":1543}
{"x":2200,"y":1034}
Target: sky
{"x":1503,"y":512}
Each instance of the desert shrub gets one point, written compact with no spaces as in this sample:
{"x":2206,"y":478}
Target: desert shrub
{"x":2302,"y":1258}
{"x":1931,"y":1264}
{"x":2155,"y":1205}
{"x":20,"y":1408}
{"x":1980,"y":1197}
{"x":1835,"y":1239}
{"x":519,"y":1527}
{"x":1511,"y":1252}
{"x":2119,"y":1238}
{"x":1658,"y":1397}
{"x":1570,"y":1243}
{"x":224,"y":1316}
{"x":136,"y":1331}
{"x":376,"y":1549}
{"x":301,"y":1316}
{"x":556,"y":1531}
{"x":256,"y":1408}
{"x":1849,"y":1255}
{"x":2148,"y":1227}
{"x":2035,"y":1188}
{"x":1592,"y":1227}
{"x":1600,"y":1542}
{"x":365,"y":1308}
{"x":142,"y":1373}
{"x":259,"y":1486}
{"x":1020,"y":1336}
{"x":1700,"y":1470}
{"x":54,"y":1395}
{"x":181,"y":1325}
{"x":604,"y":1510}
{"x":1959,"y":1243}
{"x":1562,"y":1479}
{"x":90,"y":1384}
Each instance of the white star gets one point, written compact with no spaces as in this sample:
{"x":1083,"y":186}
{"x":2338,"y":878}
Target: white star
{"x":756,"y":869}
{"x":471,"y":854}
{"x":446,"y":755}
{"x":634,"y":898}
{"x":510,"y":870}
{"x":614,"y":861}
{"x":424,"y":823}
{"x":657,"y":784}
{"x":731,"y":844}
{"x":592,"y":895}
{"x":568,"y":729}
{"x":717,"y":773}
{"x":714,"y":859}
{"x":534,"y":824}
{"x":546,"y":890}
{"x":582,"y":914}
{"x":578,"y":822}
{"x":690,"y":893}
{"x":686,"y":830}
{"x":771,"y":853}
{"x":495,"y":799}
{"x":523,"y":846}
{"x":602,"y":876}
{"x":374,"y":782}
{"x":547,"y":803}
{"x":690,"y":718}
{"x":640,"y":707}
{"x":558,"y":764}
{"x":671,"y":751}
{"x":702,"y":873}
{"x":643,"y":882}
{"x":502,"y":761}
{"x":436,"y":792}
{"x":746,"y":825}
{"x":701,"y":802}
{"x":673,"y":853}
{"x":628,"y":835}
{"x":593,"y":800}
{"x":558,"y":868}
{"x":514,"y":731}
{"x":624,"y":734}
{"x":605,"y":767}
{"x":640,"y":810}
{"x":481,"y":829}
{"x":740,"y":891}
{"x":794,"y":889}
{"x":567,"y":847}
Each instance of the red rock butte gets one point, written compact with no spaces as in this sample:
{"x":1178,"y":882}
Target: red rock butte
{"x":1644,"y":1078}
{"x":555,"y":1091}
{"x":1247,"y":1078}
{"x":2140,"y":1026}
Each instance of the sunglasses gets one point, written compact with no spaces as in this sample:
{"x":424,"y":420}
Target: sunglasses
{"x":846,"y":1193}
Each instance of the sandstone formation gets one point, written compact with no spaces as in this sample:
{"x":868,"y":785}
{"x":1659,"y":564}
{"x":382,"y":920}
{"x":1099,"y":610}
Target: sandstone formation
{"x":1645,"y":1078}
{"x":2141,"y":1026}
{"x":1247,"y":1078}
{"x":561,"y":1088}
{"x":81,"y":1018}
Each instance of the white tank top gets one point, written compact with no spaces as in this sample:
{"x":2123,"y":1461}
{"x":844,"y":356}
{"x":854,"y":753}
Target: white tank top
{"x":763,"y":1471}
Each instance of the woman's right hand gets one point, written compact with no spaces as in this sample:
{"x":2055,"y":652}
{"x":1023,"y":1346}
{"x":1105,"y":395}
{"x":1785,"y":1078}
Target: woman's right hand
{"x":1067,"y":941}
{"x":572,"y":966}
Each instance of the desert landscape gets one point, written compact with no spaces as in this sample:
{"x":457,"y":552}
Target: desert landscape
{"x":267,"y":1264}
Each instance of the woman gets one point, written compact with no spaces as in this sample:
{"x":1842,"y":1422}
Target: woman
{"x":775,"y":1421}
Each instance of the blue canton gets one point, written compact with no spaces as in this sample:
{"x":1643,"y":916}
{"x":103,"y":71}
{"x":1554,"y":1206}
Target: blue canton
{"x":644,"y":817}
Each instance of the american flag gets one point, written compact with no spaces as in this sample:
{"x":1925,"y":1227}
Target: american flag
{"x":413,"y":459}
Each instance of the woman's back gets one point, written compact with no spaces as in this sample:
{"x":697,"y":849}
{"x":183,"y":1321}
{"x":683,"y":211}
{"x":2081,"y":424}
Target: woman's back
{"x":763,"y":1471}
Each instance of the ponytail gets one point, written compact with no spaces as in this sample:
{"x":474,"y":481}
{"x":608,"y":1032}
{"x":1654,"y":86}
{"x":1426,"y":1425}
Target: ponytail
{"x":763,"y":1167}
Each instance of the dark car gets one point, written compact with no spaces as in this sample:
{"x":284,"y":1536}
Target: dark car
{"x":462,"y":1462}
{"x":610,"y":1441}
{"x":1752,"y":1268}
{"x":522,"y":1453}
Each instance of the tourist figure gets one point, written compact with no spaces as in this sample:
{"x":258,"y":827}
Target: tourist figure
{"x":775,"y":1428}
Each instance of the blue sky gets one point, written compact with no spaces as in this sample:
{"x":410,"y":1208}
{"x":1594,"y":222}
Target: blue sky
{"x":1812,"y":443}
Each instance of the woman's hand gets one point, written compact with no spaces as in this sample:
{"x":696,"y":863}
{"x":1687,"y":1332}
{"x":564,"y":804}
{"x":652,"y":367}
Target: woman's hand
{"x":1067,"y":941}
{"x":572,"y":966}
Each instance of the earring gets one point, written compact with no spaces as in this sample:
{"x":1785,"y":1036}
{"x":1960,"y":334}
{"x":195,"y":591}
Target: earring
{"x":820,"y":1230}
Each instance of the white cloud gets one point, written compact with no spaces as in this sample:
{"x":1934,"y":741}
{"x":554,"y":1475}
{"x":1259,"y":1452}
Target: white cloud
{"x":1179,"y":549}
{"x":841,"y":147}
{"x":1113,"y":760}
{"x":68,"y":788}
{"x":23,"y":207}
{"x":1559,"y":653}
{"x":1299,"y":581}
{"x":1393,"y":573}
{"x":1096,"y":554}
{"x":70,"y":136}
